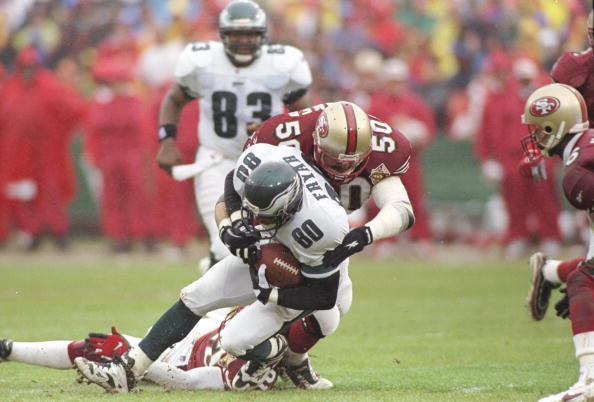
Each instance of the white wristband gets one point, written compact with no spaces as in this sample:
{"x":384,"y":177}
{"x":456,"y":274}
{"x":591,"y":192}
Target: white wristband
{"x":273,"y":297}
{"x":223,"y":223}
{"x":237,"y":215}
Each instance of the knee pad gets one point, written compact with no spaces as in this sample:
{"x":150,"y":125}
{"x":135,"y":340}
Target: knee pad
{"x":327,"y":320}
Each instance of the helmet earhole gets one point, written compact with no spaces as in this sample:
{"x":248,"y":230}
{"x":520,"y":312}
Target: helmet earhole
{"x":549,"y":129}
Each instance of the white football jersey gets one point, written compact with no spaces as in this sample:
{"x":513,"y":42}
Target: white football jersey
{"x":232,"y":97}
{"x":320,"y":224}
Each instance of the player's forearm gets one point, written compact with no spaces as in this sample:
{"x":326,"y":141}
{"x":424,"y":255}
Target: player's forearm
{"x":316,"y":294}
{"x":396,"y":214}
{"x":172,"y":106}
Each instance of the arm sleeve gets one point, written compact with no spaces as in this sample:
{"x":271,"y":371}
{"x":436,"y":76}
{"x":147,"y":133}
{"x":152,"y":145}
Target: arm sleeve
{"x":316,"y":294}
{"x":232,"y":199}
{"x":395,"y":214}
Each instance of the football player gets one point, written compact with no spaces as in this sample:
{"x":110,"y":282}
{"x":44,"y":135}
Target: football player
{"x":196,"y":362}
{"x":558,"y":121}
{"x":292,"y":203}
{"x":359,"y":160}
{"x":240,"y":82}
{"x":573,"y":69}
{"x":361,"y":156}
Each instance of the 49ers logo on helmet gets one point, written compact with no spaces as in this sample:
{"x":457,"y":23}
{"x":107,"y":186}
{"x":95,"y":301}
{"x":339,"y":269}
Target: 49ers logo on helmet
{"x":322,"y":126}
{"x":544,"y":106}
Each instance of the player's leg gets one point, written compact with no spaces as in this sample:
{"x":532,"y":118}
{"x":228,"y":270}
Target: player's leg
{"x":208,"y":187}
{"x":226,"y":286}
{"x":252,"y":335}
{"x":305,"y":333}
{"x":172,"y":377}
{"x":546,"y":275}
{"x":580,"y":288}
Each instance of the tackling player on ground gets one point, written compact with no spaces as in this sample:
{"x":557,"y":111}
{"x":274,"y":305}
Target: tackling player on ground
{"x":197,"y":362}
{"x":240,"y":82}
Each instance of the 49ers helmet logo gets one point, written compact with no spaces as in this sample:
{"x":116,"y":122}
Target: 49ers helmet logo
{"x":544,"y":106}
{"x":322,"y":126}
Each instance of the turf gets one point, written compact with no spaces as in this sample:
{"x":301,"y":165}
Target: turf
{"x":443,"y":329}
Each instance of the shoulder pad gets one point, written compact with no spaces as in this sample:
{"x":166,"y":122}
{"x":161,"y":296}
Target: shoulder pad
{"x":572,"y":68}
{"x":283,"y":57}
{"x":196,"y":55}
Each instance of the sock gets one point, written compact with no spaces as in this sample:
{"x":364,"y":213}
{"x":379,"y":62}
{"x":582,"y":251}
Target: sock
{"x":266,"y":350}
{"x":293,"y":359}
{"x":52,"y":354}
{"x":140,"y":361}
{"x":549,"y":271}
{"x":304,"y":334}
{"x":172,"y":327}
{"x":567,"y":267}
{"x":584,"y":351}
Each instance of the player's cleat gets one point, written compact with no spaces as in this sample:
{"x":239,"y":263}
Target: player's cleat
{"x":540,"y":289}
{"x":260,"y":374}
{"x":114,"y":376}
{"x":5,"y":349}
{"x":581,"y":391}
{"x":304,"y":376}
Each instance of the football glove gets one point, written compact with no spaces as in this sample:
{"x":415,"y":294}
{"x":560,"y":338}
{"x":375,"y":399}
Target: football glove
{"x":262,"y":288}
{"x":103,"y":347}
{"x":562,"y":306}
{"x":353,"y":242}
{"x":242,"y":241}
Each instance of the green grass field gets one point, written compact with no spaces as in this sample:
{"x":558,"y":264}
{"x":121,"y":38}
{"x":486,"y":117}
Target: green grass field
{"x":452,"y":328}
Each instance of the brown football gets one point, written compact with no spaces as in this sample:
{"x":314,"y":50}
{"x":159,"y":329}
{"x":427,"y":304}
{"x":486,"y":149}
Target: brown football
{"x":282,"y":268}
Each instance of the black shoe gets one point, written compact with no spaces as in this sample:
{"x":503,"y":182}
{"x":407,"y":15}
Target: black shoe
{"x":304,"y":376}
{"x":5,"y":349}
{"x":539,"y":294}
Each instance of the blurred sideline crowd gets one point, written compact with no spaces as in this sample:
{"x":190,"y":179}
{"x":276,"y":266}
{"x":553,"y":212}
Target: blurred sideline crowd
{"x":99,"y":69}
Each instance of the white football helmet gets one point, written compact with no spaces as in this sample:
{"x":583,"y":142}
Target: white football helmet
{"x":242,"y":16}
{"x":552,"y":112}
{"x":342,"y":141}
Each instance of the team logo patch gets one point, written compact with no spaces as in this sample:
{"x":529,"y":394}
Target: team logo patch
{"x":379,"y":173}
{"x":322,"y":126}
{"x":544,"y":106}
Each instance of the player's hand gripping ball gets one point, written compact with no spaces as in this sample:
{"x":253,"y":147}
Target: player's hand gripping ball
{"x":282,"y":268}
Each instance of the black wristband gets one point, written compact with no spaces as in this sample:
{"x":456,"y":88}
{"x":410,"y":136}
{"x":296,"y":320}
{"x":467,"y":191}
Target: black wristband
{"x":167,"y":131}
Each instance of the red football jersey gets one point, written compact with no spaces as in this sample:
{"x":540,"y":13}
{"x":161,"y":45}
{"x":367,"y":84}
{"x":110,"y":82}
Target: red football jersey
{"x":578,"y":171}
{"x":390,"y":150}
{"x":577,"y":70}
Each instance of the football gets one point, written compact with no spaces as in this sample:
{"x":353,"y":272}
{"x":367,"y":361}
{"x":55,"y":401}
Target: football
{"x":282,"y":268}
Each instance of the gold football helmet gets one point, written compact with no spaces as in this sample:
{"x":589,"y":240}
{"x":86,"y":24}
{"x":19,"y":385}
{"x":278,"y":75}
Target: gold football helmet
{"x":551,"y":112}
{"x":342,"y":141}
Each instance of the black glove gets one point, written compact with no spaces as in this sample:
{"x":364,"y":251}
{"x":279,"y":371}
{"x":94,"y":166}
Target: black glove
{"x":353,"y":242}
{"x":242,"y":240}
{"x":562,"y":306}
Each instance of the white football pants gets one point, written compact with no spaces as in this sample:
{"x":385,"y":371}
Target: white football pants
{"x":228,"y":284}
{"x":208,"y":187}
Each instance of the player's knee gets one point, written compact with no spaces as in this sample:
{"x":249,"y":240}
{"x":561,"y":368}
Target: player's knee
{"x":327,"y":322}
{"x":232,"y":344}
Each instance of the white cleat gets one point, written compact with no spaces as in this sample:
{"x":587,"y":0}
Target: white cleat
{"x":113,"y":376}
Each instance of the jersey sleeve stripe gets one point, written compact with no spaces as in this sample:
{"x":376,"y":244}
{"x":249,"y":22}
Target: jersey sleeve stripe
{"x":317,"y":272}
